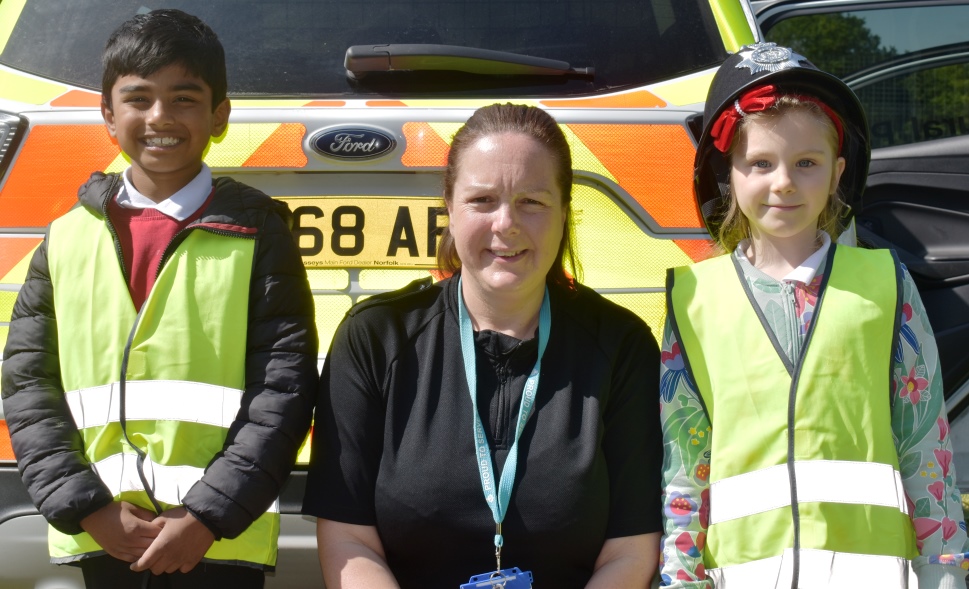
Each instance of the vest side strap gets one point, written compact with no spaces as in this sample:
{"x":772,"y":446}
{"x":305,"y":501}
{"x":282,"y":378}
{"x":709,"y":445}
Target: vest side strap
{"x":828,"y":481}
{"x":820,"y":569}
{"x":155,"y":400}
{"x":169,"y":483}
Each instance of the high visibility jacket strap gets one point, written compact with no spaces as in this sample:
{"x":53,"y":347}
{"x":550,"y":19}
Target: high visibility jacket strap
{"x":185,"y":373}
{"x":168,"y":483}
{"x":193,"y":402}
{"x":862,"y":483}
{"x":802,"y":453}
{"x":818,"y":569}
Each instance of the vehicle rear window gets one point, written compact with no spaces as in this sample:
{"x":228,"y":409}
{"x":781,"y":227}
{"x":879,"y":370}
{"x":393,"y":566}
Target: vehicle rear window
{"x":298,"y":48}
{"x":908,"y":65}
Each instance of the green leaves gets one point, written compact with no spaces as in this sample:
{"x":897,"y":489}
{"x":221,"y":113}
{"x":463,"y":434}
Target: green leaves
{"x":690,"y":436}
{"x":910,"y":464}
{"x":923,"y":507}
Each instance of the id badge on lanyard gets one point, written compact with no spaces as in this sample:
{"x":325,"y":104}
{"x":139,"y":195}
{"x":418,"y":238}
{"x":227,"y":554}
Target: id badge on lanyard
{"x":512,"y":578}
{"x":498,"y":497}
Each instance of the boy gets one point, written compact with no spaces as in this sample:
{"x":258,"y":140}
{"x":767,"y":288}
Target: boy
{"x":160,"y":369}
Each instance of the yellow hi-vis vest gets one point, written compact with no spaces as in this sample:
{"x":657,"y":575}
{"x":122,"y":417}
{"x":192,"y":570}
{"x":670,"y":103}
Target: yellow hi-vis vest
{"x":185,"y":370}
{"x":805,"y":489}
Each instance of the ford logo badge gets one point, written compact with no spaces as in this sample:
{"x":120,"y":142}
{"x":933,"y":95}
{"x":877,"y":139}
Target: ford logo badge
{"x":352,"y":144}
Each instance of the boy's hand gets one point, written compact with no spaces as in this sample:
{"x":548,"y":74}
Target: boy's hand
{"x":180,"y":546}
{"x":123,"y":529}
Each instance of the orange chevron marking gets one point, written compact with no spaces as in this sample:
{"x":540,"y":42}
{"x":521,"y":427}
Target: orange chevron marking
{"x":82,"y":98}
{"x":385,"y":103}
{"x":637,"y":99}
{"x":6,"y":449}
{"x":425,"y":148}
{"x":653,"y":162}
{"x":697,"y":249}
{"x":54,"y":161}
{"x":13,"y":250}
{"x":282,"y":149}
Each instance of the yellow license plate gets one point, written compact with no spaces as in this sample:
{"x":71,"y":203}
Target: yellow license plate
{"x":368,"y":231}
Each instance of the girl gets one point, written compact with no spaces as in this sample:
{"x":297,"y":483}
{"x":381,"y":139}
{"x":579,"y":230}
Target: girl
{"x":802,"y":402}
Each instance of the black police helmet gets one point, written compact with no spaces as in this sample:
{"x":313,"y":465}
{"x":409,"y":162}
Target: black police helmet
{"x":758,"y":65}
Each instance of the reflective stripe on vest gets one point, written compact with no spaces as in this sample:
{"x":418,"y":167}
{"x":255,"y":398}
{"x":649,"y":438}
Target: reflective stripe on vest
{"x":868,"y":483}
{"x":193,"y":402}
{"x":819,"y":569}
{"x":796,"y":448}
{"x":169,"y":483}
{"x":186,"y":368}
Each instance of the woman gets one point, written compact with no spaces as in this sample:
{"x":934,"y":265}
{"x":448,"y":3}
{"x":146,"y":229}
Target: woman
{"x":400,"y":469}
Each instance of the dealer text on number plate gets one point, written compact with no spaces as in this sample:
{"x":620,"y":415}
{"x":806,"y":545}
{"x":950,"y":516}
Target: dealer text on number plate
{"x":368,"y":231}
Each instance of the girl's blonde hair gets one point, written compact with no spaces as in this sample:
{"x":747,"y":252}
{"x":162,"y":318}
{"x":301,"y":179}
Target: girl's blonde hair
{"x":735,"y":227}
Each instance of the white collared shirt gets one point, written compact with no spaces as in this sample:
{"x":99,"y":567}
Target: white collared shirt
{"x":179,"y":206}
{"x":806,"y":271}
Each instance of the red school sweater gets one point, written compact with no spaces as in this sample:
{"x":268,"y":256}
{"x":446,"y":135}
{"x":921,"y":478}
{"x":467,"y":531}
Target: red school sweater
{"x":144,"y":234}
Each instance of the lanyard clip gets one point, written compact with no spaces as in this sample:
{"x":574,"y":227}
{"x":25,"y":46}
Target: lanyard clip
{"x":499,"y":541}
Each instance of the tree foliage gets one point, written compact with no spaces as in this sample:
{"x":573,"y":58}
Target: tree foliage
{"x":925,"y":103}
{"x":837,"y":43}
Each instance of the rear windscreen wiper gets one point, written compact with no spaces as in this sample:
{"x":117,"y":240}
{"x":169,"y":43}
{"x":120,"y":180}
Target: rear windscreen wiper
{"x":363,"y":59}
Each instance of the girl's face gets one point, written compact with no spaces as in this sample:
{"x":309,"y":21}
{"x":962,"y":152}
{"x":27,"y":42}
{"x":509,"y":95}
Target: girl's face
{"x":783,"y":171}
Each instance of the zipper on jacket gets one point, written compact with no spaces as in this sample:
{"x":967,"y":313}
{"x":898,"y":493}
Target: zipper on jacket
{"x":797,"y":351}
{"x":794,"y":322}
{"x":791,"y":405}
{"x":500,"y":419}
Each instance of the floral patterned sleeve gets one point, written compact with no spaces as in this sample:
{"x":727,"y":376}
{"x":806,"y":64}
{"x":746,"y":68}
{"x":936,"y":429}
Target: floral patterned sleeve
{"x":686,"y":470}
{"x":921,"y":432}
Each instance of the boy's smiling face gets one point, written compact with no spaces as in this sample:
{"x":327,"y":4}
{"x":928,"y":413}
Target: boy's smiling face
{"x":163,"y":123}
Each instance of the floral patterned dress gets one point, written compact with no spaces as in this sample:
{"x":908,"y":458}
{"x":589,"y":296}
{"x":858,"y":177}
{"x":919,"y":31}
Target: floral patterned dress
{"x":919,"y":426}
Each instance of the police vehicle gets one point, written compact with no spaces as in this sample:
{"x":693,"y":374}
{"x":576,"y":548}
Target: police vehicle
{"x":344,"y":110}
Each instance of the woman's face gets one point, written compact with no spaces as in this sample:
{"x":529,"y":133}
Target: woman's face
{"x":506,"y":215}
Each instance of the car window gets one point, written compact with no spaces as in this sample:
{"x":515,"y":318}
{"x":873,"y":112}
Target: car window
{"x":298,"y":48}
{"x":909,"y":66}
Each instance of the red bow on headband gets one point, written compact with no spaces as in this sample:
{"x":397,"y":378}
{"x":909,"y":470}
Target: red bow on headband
{"x":756,"y":100}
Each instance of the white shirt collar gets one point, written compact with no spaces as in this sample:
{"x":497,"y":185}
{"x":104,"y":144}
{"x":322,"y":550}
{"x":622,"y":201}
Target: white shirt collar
{"x":808,"y":268}
{"x":179,"y":206}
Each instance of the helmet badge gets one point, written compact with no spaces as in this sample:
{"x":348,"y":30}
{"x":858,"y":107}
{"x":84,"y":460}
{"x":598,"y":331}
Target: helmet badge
{"x":768,"y":57}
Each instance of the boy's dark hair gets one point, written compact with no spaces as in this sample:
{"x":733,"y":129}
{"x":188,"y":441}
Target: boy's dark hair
{"x":146,"y":43}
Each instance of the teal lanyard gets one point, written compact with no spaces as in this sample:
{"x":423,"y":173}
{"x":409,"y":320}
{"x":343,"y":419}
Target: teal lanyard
{"x":498,"y":502}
